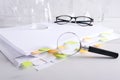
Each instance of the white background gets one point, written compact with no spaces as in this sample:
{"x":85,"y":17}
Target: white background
{"x":76,"y":68}
{"x":17,"y":12}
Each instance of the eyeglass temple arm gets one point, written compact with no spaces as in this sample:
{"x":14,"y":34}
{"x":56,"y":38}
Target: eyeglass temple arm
{"x":103,"y":52}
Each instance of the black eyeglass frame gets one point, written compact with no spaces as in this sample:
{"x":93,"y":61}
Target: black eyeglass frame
{"x":78,"y":22}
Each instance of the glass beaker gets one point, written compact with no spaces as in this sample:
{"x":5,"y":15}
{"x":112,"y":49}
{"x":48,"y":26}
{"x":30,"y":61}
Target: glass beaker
{"x":61,"y":7}
{"x":96,"y":9}
{"x":39,"y":14}
{"x":24,"y":12}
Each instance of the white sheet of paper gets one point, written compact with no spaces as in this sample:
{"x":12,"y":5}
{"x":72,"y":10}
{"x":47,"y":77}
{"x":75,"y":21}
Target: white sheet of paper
{"x":22,"y":40}
{"x":29,"y":40}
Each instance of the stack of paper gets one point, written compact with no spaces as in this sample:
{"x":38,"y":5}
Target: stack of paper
{"x":17,"y":43}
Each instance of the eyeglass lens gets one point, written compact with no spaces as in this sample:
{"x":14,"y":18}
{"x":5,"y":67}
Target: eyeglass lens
{"x":63,"y":19}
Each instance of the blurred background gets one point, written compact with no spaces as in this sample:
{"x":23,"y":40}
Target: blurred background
{"x":23,"y":12}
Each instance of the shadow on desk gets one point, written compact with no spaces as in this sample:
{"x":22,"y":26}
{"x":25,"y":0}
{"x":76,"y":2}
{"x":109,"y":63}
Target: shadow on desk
{"x":91,"y":57}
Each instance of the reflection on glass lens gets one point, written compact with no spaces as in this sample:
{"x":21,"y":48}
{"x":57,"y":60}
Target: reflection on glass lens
{"x":68,"y":43}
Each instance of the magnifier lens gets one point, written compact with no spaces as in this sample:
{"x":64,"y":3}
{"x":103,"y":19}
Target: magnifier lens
{"x":68,"y":43}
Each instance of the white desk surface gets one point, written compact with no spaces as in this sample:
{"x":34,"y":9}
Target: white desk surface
{"x":74,"y":68}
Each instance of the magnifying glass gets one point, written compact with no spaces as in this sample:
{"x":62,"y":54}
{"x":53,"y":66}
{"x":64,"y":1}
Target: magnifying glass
{"x":69,"y":43}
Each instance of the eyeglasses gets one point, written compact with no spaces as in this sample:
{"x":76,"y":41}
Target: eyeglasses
{"x":81,"y":20}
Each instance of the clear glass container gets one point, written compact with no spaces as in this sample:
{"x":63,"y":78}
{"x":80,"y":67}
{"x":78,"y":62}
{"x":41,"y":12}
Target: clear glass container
{"x":61,"y":7}
{"x":23,"y":12}
{"x":91,"y":8}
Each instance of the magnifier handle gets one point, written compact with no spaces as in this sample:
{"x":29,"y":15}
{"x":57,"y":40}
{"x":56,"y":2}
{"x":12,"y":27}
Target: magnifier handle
{"x":103,"y":52}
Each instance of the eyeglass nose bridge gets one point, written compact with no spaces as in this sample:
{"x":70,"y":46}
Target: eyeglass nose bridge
{"x":73,"y":21}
